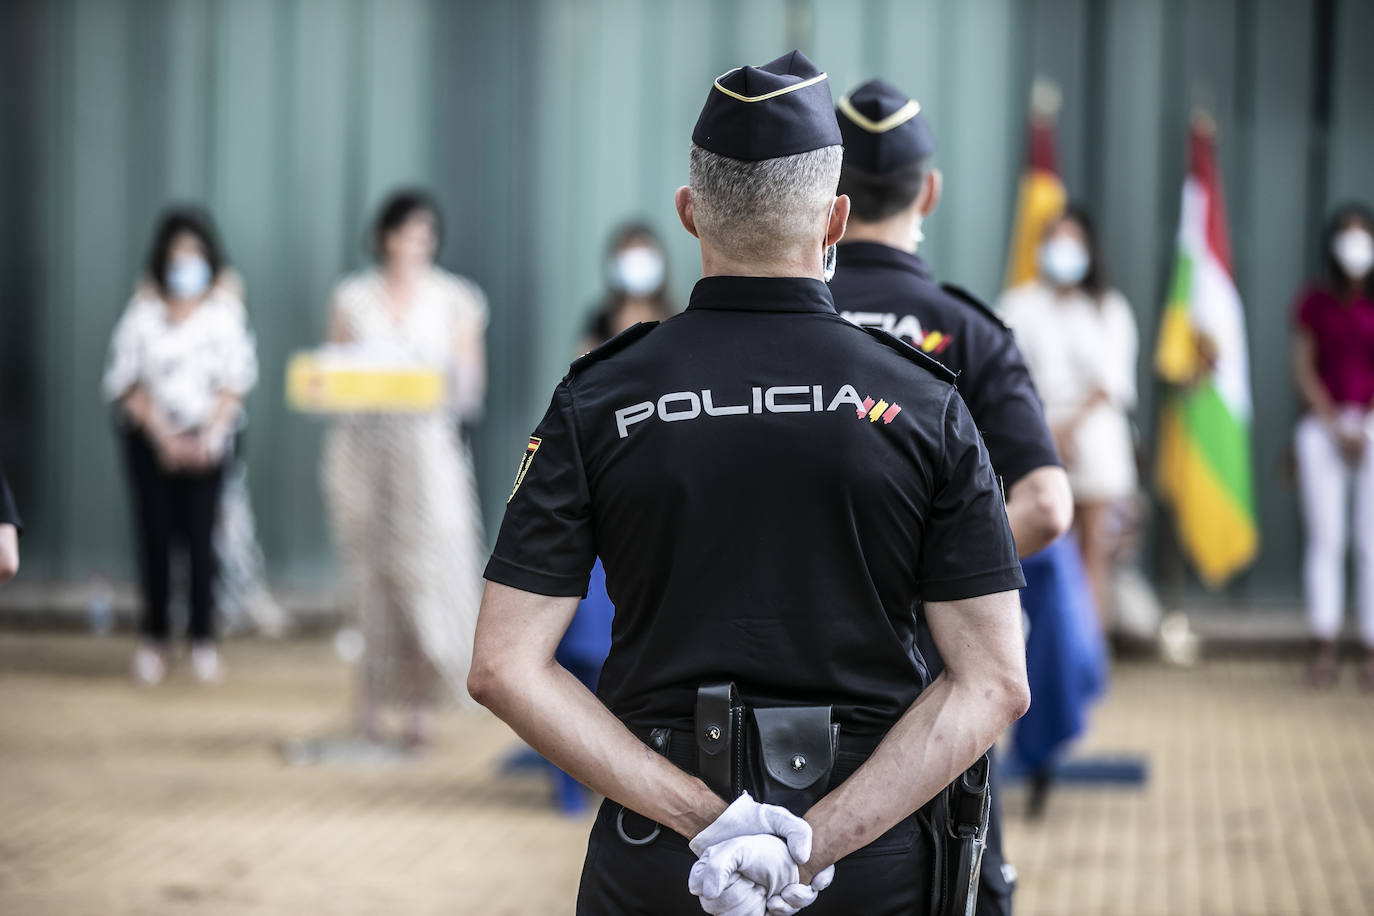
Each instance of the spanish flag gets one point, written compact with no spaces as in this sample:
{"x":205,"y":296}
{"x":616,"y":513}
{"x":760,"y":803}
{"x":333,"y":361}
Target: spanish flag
{"x":1204,"y":468}
{"x":1041,"y":196}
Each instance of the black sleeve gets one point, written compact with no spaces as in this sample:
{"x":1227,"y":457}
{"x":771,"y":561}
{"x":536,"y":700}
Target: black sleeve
{"x":967,"y":548}
{"x":1006,"y":407}
{"x":546,"y":543}
{"x":9,"y":515}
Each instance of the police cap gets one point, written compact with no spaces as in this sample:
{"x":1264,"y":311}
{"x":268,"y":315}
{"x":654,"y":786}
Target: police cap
{"x":779,"y":109}
{"x":883,"y":130}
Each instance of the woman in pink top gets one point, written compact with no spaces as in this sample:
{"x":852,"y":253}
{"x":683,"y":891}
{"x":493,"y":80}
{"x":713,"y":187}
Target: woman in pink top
{"x":1334,"y":365}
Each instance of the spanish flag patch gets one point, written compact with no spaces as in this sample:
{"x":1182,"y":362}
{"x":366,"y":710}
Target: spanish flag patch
{"x":525,"y":463}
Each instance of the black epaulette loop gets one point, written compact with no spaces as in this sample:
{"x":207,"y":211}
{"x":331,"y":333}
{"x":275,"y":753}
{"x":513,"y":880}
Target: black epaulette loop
{"x":920,"y":358}
{"x":964,"y":295}
{"x":614,"y":345}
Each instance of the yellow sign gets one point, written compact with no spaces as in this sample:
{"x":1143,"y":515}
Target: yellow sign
{"x":316,"y":384}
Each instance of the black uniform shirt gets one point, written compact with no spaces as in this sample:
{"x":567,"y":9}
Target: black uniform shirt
{"x":773,"y":491}
{"x":877,"y":285}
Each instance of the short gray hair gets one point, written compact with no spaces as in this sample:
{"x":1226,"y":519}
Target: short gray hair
{"x":763,"y":209}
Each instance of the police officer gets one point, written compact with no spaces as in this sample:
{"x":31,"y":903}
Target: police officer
{"x":774,"y":493}
{"x":881,"y":281}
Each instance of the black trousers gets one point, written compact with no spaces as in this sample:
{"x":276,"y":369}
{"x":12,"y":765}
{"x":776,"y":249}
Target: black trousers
{"x":173,"y":508}
{"x":889,"y":877}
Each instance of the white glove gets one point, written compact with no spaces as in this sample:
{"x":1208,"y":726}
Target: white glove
{"x":741,"y":897}
{"x":746,"y":817}
{"x":796,"y":897}
{"x":763,"y":859}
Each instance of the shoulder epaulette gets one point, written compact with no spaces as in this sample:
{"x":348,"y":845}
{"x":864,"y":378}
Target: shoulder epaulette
{"x":614,"y":345}
{"x":924,"y":360}
{"x":979,"y":305}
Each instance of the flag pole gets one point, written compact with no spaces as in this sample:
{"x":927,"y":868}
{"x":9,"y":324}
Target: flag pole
{"x":1203,"y":122}
{"x":1046,"y":99}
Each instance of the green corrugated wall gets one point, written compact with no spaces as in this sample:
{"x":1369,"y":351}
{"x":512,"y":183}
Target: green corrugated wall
{"x":543,"y":123}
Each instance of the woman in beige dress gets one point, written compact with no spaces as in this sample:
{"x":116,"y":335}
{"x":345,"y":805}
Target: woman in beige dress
{"x":400,"y":487}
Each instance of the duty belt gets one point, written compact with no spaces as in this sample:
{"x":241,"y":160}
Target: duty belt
{"x":679,"y":745}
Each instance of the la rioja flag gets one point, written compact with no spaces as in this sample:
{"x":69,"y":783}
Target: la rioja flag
{"x":1204,"y":468}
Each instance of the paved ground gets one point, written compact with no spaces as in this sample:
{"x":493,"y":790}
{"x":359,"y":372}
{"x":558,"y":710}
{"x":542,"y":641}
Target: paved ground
{"x":113,"y":801}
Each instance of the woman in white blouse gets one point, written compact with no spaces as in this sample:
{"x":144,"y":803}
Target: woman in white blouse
{"x":400,"y":487}
{"x":1079,"y":339}
{"x":181,"y":360}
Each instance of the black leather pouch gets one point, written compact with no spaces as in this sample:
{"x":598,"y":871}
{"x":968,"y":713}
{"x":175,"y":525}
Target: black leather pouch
{"x":720,"y":739}
{"x":791,"y":755}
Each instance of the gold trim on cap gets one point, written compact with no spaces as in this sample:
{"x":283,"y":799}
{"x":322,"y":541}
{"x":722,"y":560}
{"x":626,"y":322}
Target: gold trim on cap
{"x":767,"y":95}
{"x":908,"y":111}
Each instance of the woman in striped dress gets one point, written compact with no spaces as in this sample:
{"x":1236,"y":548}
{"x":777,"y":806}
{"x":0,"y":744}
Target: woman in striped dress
{"x":400,"y":486}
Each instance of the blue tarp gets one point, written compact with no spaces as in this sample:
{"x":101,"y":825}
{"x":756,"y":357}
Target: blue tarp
{"x":1066,"y":657}
{"x":588,"y":640}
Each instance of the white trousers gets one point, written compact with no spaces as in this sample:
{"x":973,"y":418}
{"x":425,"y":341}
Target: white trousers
{"x":1325,"y":477}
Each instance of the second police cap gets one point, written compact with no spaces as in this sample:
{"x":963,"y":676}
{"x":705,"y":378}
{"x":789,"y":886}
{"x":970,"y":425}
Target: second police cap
{"x":779,"y":109}
{"x":883,"y":129}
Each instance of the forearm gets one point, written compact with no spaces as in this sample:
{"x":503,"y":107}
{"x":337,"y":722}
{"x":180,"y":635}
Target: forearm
{"x":222,"y":421}
{"x":1308,"y":380}
{"x":982,"y":690}
{"x":1096,"y":399}
{"x":561,"y":719}
{"x":9,"y":552}
{"x":939,"y":736}
{"x":1315,"y":395}
{"x":467,"y":385}
{"x":468,"y":377}
{"x":1039,"y":508}
{"x":139,"y":407}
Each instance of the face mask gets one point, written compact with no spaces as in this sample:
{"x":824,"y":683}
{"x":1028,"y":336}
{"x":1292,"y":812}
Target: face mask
{"x":1353,"y":249}
{"x":637,"y":271}
{"x":188,"y":277}
{"x":917,"y":236}
{"x":1064,"y":261}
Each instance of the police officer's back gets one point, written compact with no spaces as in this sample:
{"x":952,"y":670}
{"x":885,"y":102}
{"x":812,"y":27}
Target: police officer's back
{"x":773,"y":492}
{"x":793,"y":485}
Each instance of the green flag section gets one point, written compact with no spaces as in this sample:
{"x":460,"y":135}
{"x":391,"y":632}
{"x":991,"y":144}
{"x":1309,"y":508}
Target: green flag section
{"x":1204,"y":467}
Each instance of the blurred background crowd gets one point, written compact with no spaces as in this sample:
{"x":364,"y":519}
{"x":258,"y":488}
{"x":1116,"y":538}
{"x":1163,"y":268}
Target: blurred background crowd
{"x":193,"y":191}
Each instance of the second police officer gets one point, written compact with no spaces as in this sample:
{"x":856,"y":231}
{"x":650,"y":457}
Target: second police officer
{"x":775,"y":495}
{"x":881,"y":281}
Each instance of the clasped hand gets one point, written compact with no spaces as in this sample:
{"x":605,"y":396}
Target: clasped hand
{"x":749,"y":862}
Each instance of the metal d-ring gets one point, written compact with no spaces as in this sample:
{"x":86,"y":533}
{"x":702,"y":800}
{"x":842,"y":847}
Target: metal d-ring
{"x":620,"y":829}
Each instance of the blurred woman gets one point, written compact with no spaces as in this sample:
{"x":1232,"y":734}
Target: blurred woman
{"x":243,"y":602}
{"x":636,"y":285}
{"x":180,"y":363}
{"x":1333,"y":360}
{"x":1079,"y":339}
{"x":400,"y":486}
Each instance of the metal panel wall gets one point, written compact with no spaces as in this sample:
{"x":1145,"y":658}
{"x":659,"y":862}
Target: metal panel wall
{"x":542,"y":124}
{"x":288,"y":120}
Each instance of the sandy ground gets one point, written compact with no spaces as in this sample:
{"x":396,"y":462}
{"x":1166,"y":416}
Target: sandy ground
{"x":178,"y":801}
